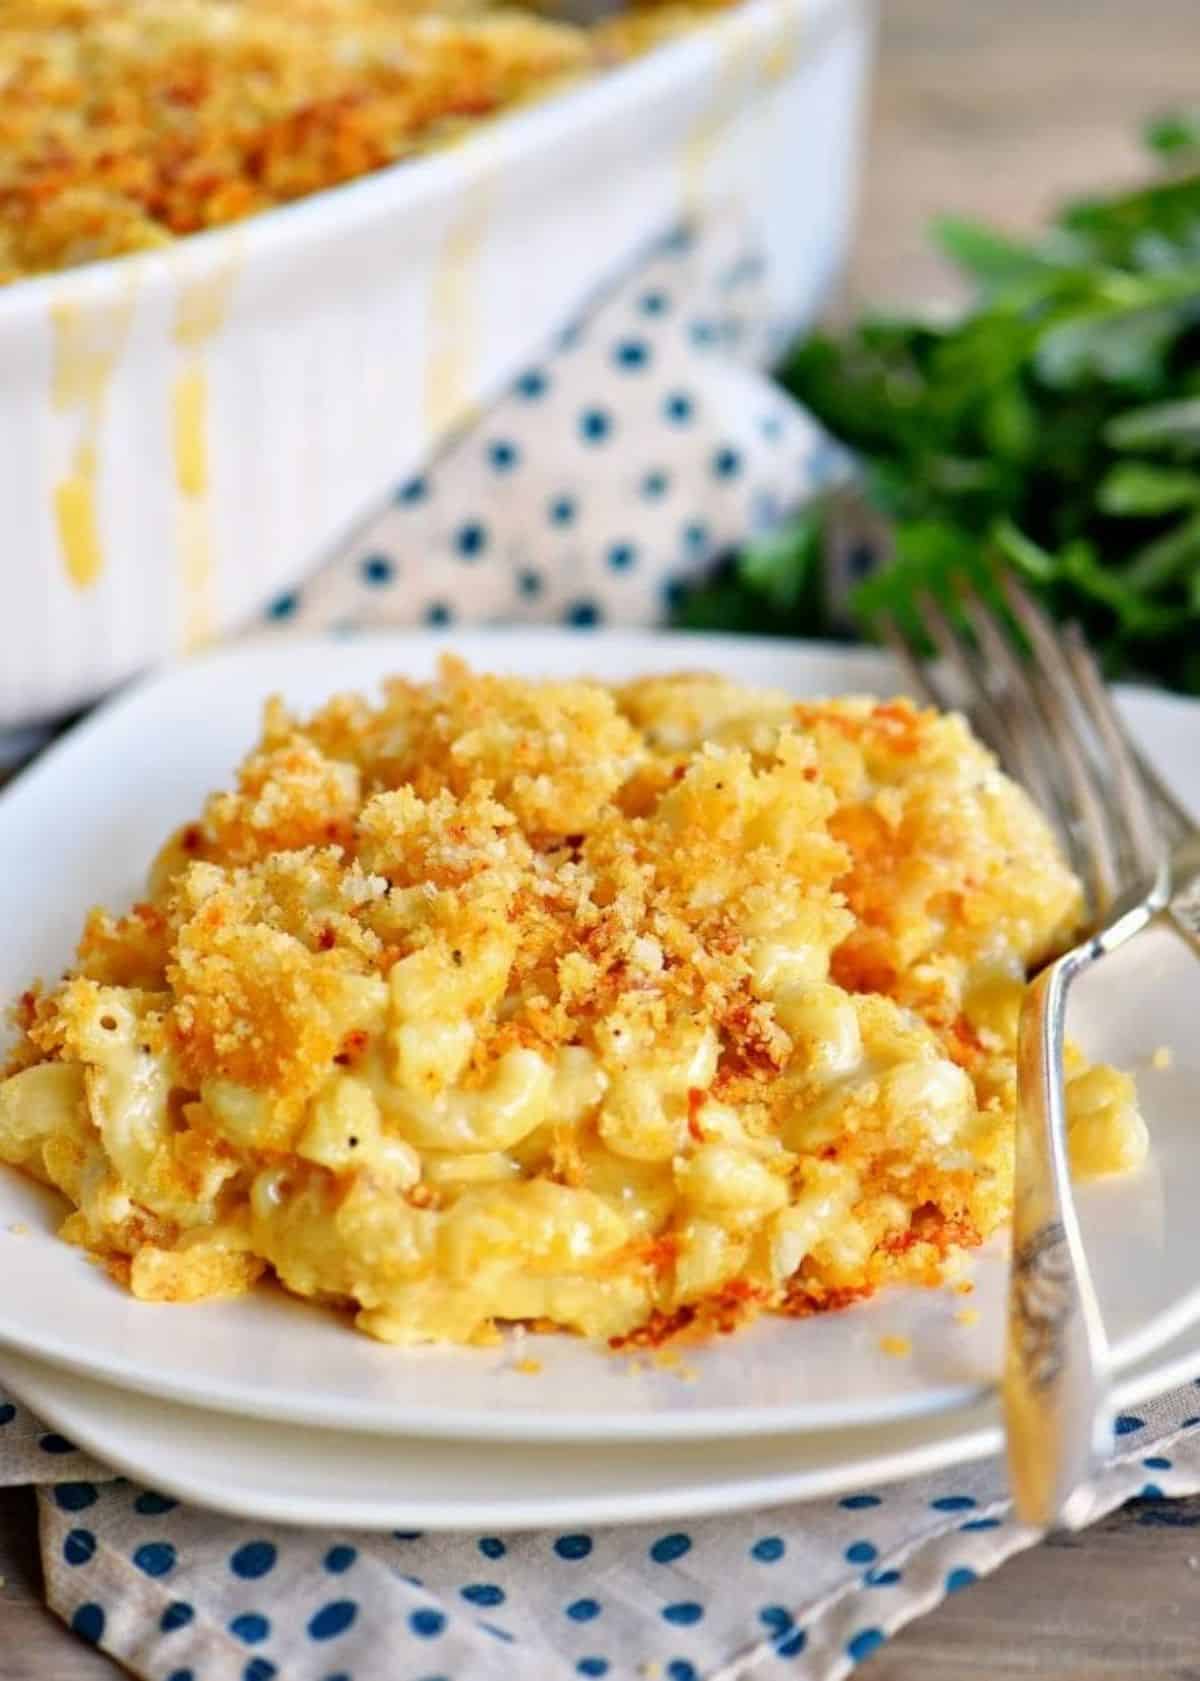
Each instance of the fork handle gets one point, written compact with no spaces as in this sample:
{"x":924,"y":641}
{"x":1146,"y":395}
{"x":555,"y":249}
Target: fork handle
{"x":1057,"y":1410}
{"x":1056,"y":1378}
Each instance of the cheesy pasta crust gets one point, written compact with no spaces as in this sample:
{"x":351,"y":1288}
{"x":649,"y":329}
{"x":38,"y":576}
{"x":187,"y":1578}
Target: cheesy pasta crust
{"x":623,"y":1010}
{"x":127,"y":124}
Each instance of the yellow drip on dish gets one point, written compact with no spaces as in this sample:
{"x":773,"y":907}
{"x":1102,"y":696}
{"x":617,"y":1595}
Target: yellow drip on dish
{"x":454,"y":328}
{"x":75,"y":518}
{"x":189,"y":430}
{"x":87,"y":346}
{"x":734,"y":45}
{"x":790,"y":41}
{"x":202,"y":309}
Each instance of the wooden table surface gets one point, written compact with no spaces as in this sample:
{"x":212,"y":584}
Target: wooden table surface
{"x":996,"y":108}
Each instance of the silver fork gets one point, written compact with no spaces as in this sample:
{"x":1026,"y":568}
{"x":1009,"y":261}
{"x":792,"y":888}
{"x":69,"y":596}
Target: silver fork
{"x":1052,"y":723}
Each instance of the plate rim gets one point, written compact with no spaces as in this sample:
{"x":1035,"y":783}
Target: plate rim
{"x":701,"y":1500}
{"x":980,"y":1436}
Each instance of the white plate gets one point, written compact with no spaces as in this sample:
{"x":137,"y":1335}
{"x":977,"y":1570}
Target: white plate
{"x":79,"y":828}
{"x":328,"y":1478}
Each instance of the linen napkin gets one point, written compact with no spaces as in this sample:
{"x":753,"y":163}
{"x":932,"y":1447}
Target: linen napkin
{"x":808,"y":1591}
{"x":645,"y":442}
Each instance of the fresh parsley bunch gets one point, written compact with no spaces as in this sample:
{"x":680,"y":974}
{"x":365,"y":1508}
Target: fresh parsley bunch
{"x":1057,"y":424}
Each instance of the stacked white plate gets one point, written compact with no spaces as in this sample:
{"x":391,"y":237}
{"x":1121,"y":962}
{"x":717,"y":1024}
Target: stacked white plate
{"x":266,"y":1406}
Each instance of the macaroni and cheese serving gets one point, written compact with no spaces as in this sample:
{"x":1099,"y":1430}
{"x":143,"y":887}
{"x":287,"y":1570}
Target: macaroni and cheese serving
{"x":627,"y":1010}
{"x":125,"y":124}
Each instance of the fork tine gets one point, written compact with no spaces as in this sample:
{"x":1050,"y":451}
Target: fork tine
{"x":1174,"y":820}
{"x":1075,"y":795}
{"x":1079,"y":679}
{"x":1019,"y":741}
{"x":1035,"y":757}
{"x":917,"y":675}
{"x":1145,"y":834}
{"x":1027,"y":762}
{"x":986,"y":713}
{"x":1015,"y":744}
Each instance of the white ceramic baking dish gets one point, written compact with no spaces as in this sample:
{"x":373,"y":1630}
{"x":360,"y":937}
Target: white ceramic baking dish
{"x":184,"y":432}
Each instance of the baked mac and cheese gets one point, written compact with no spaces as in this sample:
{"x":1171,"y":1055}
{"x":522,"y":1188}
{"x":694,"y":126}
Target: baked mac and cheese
{"x":125,"y":124}
{"x":624,"y":1010}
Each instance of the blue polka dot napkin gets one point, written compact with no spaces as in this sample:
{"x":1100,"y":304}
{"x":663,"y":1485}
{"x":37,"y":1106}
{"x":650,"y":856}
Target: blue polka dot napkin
{"x":178,"y":1594}
{"x":642,"y":444}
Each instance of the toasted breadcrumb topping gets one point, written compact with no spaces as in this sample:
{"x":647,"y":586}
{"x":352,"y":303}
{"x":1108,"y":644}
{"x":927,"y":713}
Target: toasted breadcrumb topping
{"x":632,"y":1010}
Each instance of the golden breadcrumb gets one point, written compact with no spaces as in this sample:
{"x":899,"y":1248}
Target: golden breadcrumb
{"x":631,"y":1010}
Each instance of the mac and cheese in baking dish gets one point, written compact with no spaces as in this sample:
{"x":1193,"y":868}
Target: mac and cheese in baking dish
{"x":628,"y":1010}
{"x":126,"y":124}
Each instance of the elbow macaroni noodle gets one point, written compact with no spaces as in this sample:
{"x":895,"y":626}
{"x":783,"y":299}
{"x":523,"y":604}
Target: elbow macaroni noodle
{"x":628,"y":1011}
